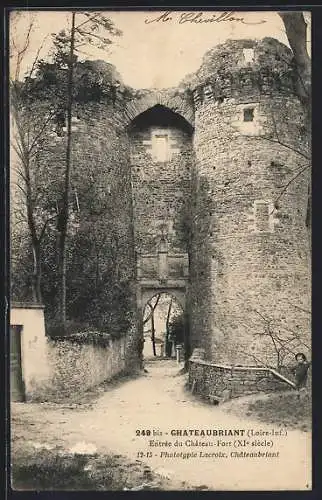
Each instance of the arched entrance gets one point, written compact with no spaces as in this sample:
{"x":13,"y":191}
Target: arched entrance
{"x":175,"y":103}
{"x":169,"y":290}
{"x":163,"y":324}
{"x":161,"y":167}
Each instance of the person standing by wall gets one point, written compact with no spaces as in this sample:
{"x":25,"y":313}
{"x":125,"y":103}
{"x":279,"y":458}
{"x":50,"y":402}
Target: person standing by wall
{"x":300,"y":370}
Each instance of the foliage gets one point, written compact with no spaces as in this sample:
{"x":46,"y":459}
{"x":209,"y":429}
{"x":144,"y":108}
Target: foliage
{"x":93,"y":81}
{"x":93,"y":252}
{"x":47,"y":469}
{"x":86,"y":337}
{"x":293,"y":409}
{"x":98,"y":277}
{"x":66,"y":46}
{"x":20,"y":265}
{"x":177,"y":328}
{"x":55,"y":468}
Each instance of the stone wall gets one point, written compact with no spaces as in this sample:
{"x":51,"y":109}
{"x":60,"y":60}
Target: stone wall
{"x":102,"y":156}
{"x":101,"y":217}
{"x":101,"y":174}
{"x":52,"y":368}
{"x":217,"y":382}
{"x":161,"y":159}
{"x":207,"y":170}
{"x":76,"y":366}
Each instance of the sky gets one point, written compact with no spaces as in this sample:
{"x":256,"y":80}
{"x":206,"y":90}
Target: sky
{"x":151,"y":53}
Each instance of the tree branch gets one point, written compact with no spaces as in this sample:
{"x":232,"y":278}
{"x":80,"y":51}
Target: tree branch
{"x":255,"y":358}
{"x":290,"y":181}
{"x":93,"y":18}
{"x":149,"y":315}
{"x":98,"y":37}
{"x":21,"y":53}
{"x":48,"y":119}
{"x":287,"y":146}
{"x":152,"y":308}
{"x":21,"y":189}
{"x":298,"y":307}
{"x":42,"y":232}
{"x":36,"y":58}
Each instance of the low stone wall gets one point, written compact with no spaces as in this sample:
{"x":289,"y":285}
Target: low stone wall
{"x":220,"y":382}
{"x":62,"y":366}
{"x":78,"y":365}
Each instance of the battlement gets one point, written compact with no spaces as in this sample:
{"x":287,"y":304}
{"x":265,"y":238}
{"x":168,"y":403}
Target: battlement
{"x":240,"y":67}
{"x":233,"y":71}
{"x":230,"y":73}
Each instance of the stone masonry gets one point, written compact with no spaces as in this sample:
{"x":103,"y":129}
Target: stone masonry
{"x":203,"y":174}
{"x":250,"y":251}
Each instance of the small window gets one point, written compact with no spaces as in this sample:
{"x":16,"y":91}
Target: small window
{"x":248,"y":114}
{"x":248,"y":55}
{"x":160,"y":147}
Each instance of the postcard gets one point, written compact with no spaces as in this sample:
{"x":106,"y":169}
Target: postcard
{"x":160,"y":234}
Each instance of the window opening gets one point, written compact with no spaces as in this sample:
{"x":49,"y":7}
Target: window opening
{"x":248,"y":114}
{"x":160,"y":147}
{"x":248,"y":55}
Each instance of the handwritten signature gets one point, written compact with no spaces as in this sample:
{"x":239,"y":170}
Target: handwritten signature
{"x":199,"y":18}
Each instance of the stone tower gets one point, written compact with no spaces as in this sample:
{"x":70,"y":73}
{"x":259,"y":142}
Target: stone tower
{"x":208,"y":186}
{"x":249,"y":261}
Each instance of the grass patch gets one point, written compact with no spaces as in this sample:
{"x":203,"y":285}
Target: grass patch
{"x":57,"y":469}
{"x":290,"y":409}
{"x":47,"y":470}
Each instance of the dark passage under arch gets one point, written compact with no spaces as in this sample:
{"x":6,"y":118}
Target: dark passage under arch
{"x":160,"y":115}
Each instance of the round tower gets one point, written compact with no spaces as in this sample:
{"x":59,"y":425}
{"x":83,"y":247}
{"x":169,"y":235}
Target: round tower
{"x":250,"y":267}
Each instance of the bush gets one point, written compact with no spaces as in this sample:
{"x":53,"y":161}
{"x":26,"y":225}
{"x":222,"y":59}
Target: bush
{"x":88,"y":337}
{"x":177,"y":329}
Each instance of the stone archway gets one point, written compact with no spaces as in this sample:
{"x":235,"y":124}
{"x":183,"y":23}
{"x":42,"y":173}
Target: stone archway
{"x":162,"y":281}
{"x":160,"y":193}
{"x":162,"y":272}
{"x":176,"y":103}
{"x":163,"y":323}
{"x":179,"y":294}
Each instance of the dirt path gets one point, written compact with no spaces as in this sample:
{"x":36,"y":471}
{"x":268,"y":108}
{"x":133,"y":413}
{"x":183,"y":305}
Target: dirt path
{"x":158,"y":402}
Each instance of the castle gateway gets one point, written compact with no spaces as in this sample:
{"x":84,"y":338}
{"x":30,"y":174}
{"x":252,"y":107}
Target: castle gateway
{"x":208,"y":203}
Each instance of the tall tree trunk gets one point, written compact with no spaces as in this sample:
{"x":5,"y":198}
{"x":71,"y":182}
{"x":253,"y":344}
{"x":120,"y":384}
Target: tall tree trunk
{"x":62,"y":279}
{"x":296,"y":32}
{"x":63,"y":229}
{"x":151,"y":317}
{"x":36,"y":275}
{"x":153,"y":334}
{"x":35,"y":241}
{"x":97,"y":269}
{"x":167,"y":324}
